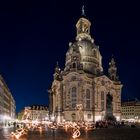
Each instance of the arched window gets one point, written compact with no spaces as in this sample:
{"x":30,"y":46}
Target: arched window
{"x":95,"y":53}
{"x":102,"y":100}
{"x":87,"y":31}
{"x":73,"y":97}
{"x":102,"y":95}
{"x":102,"y":105}
{"x":88,"y":99}
{"x":88,"y":94}
{"x":74,"y":65}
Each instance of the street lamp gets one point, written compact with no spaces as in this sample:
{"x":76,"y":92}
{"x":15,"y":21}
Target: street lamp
{"x":52,"y":118}
{"x":136,"y":118}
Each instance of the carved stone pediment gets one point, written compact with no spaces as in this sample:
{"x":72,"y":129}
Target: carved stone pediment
{"x":103,"y":81}
{"x":73,"y":76}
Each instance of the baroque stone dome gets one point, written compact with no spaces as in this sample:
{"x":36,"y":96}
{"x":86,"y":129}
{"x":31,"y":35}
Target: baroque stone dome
{"x":83,"y":52}
{"x":90,"y":57}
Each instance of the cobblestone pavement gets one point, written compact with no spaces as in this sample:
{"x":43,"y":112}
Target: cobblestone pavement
{"x":98,"y":134}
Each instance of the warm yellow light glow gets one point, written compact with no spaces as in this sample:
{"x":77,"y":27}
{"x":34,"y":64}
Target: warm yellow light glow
{"x":39,"y":125}
{"x":98,"y":118}
{"x":19,"y":133}
{"x":118,"y":118}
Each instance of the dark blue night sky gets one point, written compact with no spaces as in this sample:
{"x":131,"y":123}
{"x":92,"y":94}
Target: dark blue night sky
{"x":34,"y":35}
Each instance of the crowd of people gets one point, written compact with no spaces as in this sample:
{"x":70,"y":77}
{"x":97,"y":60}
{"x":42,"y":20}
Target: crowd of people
{"x":114,"y":124}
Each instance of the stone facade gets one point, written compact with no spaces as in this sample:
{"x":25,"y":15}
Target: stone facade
{"x":130,"y":110}
{"x":35,"y":113}
{"x":82,"y":82}
{"x":7,"y":104}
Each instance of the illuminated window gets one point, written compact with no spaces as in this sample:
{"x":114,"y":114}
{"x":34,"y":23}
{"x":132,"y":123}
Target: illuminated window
{"x":73,"y":97}
{"x":88,"y":99}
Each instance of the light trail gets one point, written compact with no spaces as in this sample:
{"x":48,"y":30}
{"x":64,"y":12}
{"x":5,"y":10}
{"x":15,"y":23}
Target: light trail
{"x":38,"y":125}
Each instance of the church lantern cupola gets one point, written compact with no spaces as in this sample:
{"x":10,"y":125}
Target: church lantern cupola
{"x":83,"y":27}
{"x":84,"y":54}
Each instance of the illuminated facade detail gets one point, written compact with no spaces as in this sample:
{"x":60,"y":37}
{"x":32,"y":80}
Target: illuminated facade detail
{"x":7,"y":104}
{"x":82,"y":81}
{"x":130,"y":110}
{"x":35,"y":113}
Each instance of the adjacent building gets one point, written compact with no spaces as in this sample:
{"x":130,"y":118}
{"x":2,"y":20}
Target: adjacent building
{"x":34,"y":112}
{"x":81,"y":91}
{"x":130,"y":110}
{"x":7,"y":103}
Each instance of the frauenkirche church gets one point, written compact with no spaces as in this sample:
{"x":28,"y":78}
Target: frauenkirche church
{"x":83,"y":83}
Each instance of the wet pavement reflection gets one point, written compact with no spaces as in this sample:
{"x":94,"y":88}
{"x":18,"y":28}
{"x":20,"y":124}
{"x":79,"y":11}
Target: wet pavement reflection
{"x":98,"y":134}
